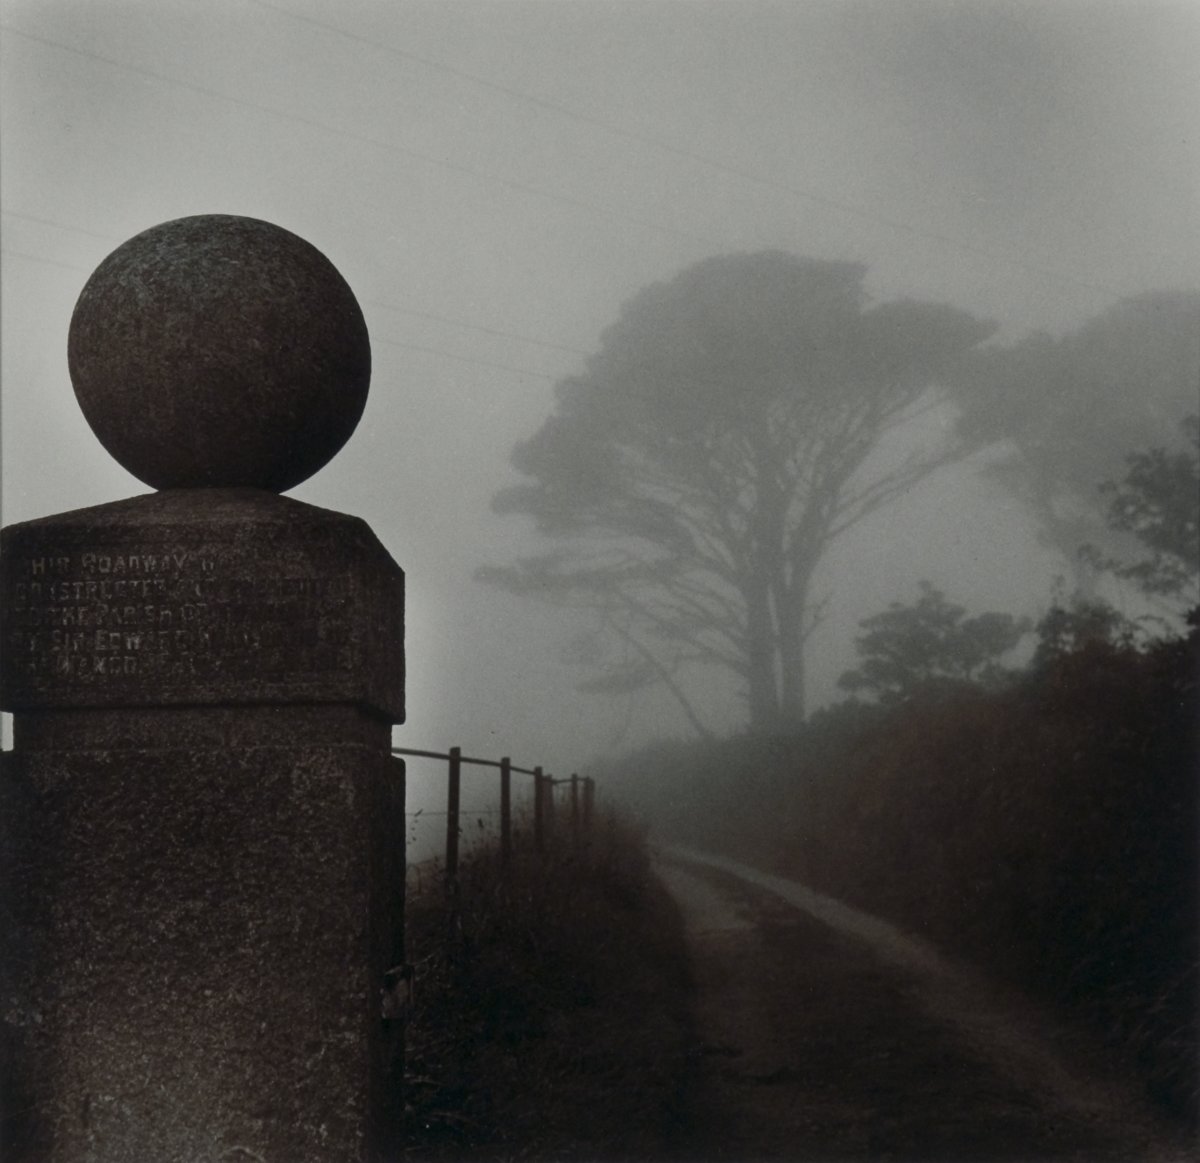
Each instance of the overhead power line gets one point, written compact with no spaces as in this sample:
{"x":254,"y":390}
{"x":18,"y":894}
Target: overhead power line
{"x":1052,"y":274}
{"x":59,"y":225}
{"x":504,"y":367}
{"x":375,"y":142}
{"x":717,"y":164}
{"x":53,"y":262}
{"x":521,"y":371}
{"x":482,"y":328}
{"x":375,"y":303}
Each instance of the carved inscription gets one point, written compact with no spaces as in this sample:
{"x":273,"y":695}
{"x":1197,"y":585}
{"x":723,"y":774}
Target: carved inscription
{"x":100,"y":616}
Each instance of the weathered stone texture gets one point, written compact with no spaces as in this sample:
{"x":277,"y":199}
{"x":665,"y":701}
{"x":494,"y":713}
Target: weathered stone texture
{"x":198,"y":939}
{"x":200,"y":596}
{"x":203,"y":842}
{"x":201,"y":825}
{"x":219,"y":351}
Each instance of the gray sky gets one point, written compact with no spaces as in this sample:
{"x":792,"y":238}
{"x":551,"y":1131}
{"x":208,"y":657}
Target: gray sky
{"x":495,"y":179}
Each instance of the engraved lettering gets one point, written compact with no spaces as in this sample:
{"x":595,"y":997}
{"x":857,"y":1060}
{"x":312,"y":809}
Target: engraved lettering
{"x":172,"y":614}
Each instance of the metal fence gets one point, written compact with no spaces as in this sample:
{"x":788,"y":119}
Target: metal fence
{"x":580,"y":794}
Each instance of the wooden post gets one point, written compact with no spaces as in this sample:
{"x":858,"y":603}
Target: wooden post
{"x":575,"y":806}
{"x":505,"y":811}
{"x":452,"y":802}
{"x":539,"y":810}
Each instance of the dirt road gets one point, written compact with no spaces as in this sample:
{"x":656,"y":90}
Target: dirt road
{"x":829,"y":1035}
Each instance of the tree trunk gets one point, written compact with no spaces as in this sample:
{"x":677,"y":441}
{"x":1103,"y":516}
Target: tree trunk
{"x":793,"y":674}
{"x":764,"y":614}
{"x":764,"y":697}
{"x":761,"y":654}
{"x":795,"y":681}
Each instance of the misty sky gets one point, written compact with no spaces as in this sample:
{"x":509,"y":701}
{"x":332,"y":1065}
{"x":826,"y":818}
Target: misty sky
{"x":495,"y":179}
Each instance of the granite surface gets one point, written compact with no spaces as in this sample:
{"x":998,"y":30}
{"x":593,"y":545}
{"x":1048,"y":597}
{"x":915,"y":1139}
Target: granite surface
{"x":218,"y":351}
{"x":196,"y":943}
{"x":200,"y":596}
{"x":201,"y":825}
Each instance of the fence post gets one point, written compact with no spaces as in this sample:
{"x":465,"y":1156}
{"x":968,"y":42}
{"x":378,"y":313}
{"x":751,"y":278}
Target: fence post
{"x":575,"y":806}
{"x":505,"y":811}
{"x":539,"y":810}
{"x":452,"y":801}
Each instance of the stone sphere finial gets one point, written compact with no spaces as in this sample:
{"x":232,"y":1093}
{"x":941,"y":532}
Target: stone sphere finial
{"x":219,"y":351}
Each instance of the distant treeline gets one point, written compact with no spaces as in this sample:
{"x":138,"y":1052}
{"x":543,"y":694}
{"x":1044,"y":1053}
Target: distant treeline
{"x":1046,"y":829}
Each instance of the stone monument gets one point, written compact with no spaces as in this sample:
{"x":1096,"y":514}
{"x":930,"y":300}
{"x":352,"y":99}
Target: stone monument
{"x":203,"y":850}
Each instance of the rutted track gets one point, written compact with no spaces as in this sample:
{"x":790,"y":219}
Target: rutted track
{"x":829,"y":1034}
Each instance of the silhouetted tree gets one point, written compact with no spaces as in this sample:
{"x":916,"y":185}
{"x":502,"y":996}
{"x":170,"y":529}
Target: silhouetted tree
{"x":1066,"y":412}
{"x":1074,"y":625}
{"x":908,"y":649}
{"x":709,"y":455}
{"x":1158,"y":503}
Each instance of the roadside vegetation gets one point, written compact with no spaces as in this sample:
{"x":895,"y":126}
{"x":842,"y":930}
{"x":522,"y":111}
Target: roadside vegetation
{"x":551,"y":1009}
{"x":1046,"y":831}
{"x":1021,"y":791}
{"x":1039,"y":818}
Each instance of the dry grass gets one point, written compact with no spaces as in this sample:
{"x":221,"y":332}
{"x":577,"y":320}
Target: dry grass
{"x":551,"y":1016}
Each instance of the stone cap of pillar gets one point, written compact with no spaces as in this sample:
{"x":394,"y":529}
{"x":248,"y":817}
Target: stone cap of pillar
{"x":221,"y":360}
{"x":219,"y":351}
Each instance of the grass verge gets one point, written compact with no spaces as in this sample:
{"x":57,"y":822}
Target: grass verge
{"x":552,"y":1008}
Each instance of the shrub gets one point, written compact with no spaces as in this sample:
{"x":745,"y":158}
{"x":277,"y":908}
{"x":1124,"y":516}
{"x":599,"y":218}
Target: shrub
{"x":1047,"y":831}
{"x":552,"y":1007}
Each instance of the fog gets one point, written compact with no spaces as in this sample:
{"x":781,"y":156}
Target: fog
{"x":495,"y":180}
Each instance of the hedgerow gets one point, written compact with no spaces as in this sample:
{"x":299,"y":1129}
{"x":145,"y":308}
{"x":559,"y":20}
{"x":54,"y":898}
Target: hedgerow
{"x":1048,"y":831}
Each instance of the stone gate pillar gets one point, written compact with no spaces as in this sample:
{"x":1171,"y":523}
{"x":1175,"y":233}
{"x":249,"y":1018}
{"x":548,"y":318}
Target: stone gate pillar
{"x":203,"y":826}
